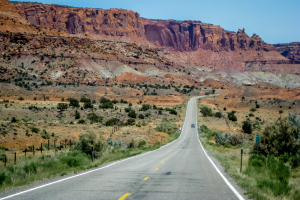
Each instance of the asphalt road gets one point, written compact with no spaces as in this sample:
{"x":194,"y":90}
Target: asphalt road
{"x":179,"y":170}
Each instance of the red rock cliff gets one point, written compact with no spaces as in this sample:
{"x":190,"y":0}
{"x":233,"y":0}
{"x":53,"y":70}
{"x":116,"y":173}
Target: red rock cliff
{"x":114,"y":22}
{"x":192,"y":35}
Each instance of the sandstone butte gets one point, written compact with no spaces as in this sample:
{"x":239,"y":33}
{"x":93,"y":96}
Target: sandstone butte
{"x":176,"y":35}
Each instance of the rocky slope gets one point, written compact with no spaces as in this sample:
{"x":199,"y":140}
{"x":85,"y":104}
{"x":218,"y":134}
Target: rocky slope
{"x":290,"y":50}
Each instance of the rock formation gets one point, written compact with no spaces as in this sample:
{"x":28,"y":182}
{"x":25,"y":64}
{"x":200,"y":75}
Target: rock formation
{"x":291,"y":50}
{"x":192,"y":35}
{"x":84,"y":21}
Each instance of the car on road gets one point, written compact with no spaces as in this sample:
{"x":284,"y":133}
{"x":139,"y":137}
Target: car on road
{"x":193,"y":125}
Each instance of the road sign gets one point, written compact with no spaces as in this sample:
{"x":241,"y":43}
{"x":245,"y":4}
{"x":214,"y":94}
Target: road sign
{"x":257,"y":139}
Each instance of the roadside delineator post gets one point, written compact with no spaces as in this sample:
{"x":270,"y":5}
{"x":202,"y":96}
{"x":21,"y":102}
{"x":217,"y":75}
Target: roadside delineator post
{"x":5,"y":160}
{"x":241,"y":160}
{"x":33,"y":149}
{"x":48,"y":145}
{"x":41,"y":147}
{"x":60,"y":145}
{"x":15,"y":157}
{"x":65,"y":143}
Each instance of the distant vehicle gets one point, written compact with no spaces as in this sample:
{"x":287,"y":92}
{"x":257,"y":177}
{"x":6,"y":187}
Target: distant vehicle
{"x":193,"y":125}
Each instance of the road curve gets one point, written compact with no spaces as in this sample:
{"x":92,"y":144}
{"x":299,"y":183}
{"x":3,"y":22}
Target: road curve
{"x":179,"y":170}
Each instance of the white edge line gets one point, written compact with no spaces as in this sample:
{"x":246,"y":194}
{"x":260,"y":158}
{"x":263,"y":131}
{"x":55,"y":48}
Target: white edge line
{"x":13,"y":195}
{"x":226,"y":181}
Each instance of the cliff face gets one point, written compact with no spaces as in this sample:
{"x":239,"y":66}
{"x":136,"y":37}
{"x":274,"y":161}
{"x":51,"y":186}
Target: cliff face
{"x":192,"y":35}
{"x":84,"y":21}
{"x":291,"y":50}
{"x":178,"y":35}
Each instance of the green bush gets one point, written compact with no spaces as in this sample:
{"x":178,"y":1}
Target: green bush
{"x":280,"y":138}
{"x":131,"y":145}
{"x":218,"y":114}
{"x":257,"y":106}
{"x":295,"y":161}
{"x":147,"y":114}
{"x":206,"y":111}
{"x":35,"y":130}
{"x":2,"y":177}
{"x":21,"y":98}
{"x":87,"y":105}
{"x":142,"y":143}
{"x":84,"y":99}
{"x":253,"y":109}
{"x":141,"y":116}
{"x":145,"y":107}
{"x":94,"y":118}
{"x":13,"y":120}
{"x":231,"y":116}
{"x":87,"y":141}
{"x":130,"y":122}
{"x":221,"y":138}
{"x":30,"y":168}
{"x":104,"y":100}
{"x":132,"y":114}
{"x":45,"y":135}
{"x":81,"y":121}
{"x":112,"y":122}
{"x":77,"y":115}
{"x":71,"y":161}
{"x":173,"y":112}
{"x":247,"y":127}
{"x":107,"y":105}
{"x":62,"y":106}
{"x":74,"y":103}
{"x":165,"y":126}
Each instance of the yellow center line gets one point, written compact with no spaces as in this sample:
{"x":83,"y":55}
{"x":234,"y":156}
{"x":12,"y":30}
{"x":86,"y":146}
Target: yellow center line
{"x":163,"y":162}
{"x":124,"y":196}
{"x":156,"y":169}
{"x":167,"y":158}
{"x":146,"y":178}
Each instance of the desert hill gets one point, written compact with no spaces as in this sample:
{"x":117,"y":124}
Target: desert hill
{"x":290,"y":50}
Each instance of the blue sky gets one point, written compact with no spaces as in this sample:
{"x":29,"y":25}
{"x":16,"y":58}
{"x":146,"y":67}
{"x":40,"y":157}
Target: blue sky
{"x":275,"y":21}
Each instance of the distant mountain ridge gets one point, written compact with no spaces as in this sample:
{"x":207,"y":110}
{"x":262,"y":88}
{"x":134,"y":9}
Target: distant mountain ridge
{"x":290,"y":50}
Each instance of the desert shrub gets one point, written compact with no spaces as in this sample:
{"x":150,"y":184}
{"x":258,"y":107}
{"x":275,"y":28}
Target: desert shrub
{"x":62,"y":106}
{"x":235,"y":139}
{"x":35,"y":129}
{"x":130,"y":104}
{"x":145,"y":107}
{"x":141,"y":116}
{"x":280,"y":138}
{"x":221,"y":138}
{"x":84,"y":99}
{"x":165,"y":126}
{"x":13,"y":120}
{"x":130,"y":122}
{"x":77,"y":115}
{"x":132,"y":114}
{"x":71,"y":161}
{"x":284,"y":158}
{"x":231,"y":116}
{"x":224,"y":108}
{"x":21,"y":98}
{"x":294,"y":161}
{"x":123,"y":101}
{"x":112,"y":122}
{"x":251,"y":115}
{"x":115,"y":101}
{"x":173,"y":112}
{"x":81,"y":121}
{"x":94,"y":118}
{"x":147,"y":114}
{"x":247,"y":127}
{"x":87,"y":141}
{"x":131,"y":145}
{"x":206,"y":111}
{"x":104,"y":100}
{"x":45,"y":135}
{"x":257,"y":106}
{"x":269,"y":173}
{"x":160,"y":112}
{"x":218,"y":114}
{"x":30,"y":168}
{"x":117,"y":143}
{"x":2,"y":177}
{"x":74,"y":103}
{"x":142,"y":143}
{"x":107,"y":105}
{"x":87,"y":105}
{"x":128,"y":109}
{"x":154,"y":107}
{"x":253,"y":109}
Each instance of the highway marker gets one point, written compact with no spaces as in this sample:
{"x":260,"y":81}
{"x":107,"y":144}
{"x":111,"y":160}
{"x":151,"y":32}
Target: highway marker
{"x":156,"y":169}
{"x":124,"y":196}
{"x":146,"y":178}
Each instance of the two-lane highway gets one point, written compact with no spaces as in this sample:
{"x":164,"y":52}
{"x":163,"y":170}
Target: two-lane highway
{"x":179,"y":170}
